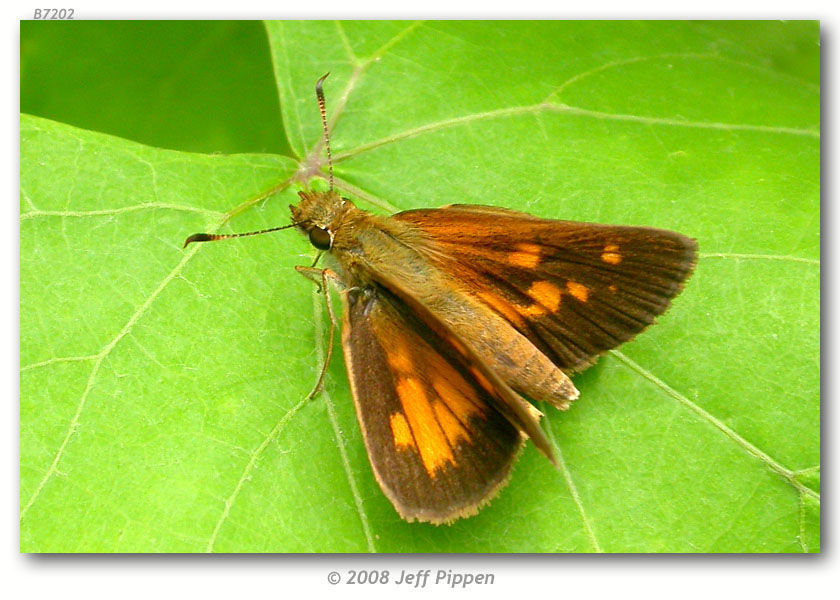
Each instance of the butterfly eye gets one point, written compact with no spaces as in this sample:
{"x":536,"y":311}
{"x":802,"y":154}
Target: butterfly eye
{"x":320,"y":238}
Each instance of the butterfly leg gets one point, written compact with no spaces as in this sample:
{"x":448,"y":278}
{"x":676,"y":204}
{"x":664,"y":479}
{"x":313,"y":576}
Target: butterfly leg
{"x":314,"y":274}
{"x":321,"y":277}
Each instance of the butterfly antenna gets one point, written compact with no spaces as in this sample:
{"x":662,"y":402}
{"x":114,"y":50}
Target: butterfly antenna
{"x":322,"y":106}
{"x":212,"y":237}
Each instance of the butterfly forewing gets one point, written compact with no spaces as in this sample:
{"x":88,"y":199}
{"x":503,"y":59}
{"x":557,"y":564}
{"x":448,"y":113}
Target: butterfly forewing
{"x":574,"y":289}
{"x":438,"y":447}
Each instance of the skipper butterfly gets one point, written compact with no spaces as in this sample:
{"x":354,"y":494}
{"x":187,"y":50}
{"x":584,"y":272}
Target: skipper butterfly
{"x":453,"y":315}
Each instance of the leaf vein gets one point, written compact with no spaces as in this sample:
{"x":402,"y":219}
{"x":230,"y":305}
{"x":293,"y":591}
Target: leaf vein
{"x":367,"y":197}
{"x":58,"y":359}
{"x":31,"y":214}
{"x":382,"y":50}
{"x":133,"y":319}
{"x":359,"y":69}
{"x":346,"y":42}
{"x":811,"y":261}
{"x":590,"y":533}
{"x":252,"y":460}
{"x":100,"y":357}
{"x":775,"y":466}
{"x":620,"y":63}
{"x":570,"y":110}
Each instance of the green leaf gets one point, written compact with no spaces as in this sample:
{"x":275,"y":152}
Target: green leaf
{"x":162,"y":389}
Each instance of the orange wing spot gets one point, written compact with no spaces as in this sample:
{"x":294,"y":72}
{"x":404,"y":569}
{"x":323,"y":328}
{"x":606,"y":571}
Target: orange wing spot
{"x":432,"y":442}
{"x":612,"y":289}
{"x":611,"y":255}
{"x":452,"y":427}
{"x":526,"y":256}
{"x":578,"y":290}
{"x":547,"y":296}
{"x":399,"y":358}
{"x":503,"y":307}
{"x":401,"y":432}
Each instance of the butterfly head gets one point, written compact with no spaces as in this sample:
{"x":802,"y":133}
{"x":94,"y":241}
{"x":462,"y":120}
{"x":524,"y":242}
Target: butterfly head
{"x":318,"y":216}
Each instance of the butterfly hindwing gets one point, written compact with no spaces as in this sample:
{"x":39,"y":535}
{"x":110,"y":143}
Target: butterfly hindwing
{"x":438,"y":447}
{"x":574,"y":289}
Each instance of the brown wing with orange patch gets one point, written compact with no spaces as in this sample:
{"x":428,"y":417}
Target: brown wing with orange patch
{"x":574,"y":289}
{"x":438,"y":447}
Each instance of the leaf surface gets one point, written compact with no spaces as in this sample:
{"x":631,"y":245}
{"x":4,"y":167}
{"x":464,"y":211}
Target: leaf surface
{"x":162,"y":390}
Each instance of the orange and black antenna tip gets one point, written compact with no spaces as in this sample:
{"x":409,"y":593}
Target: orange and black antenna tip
{"x":319,"y":85}
{"x":199,"y":237}
{"x":212,"y":237}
